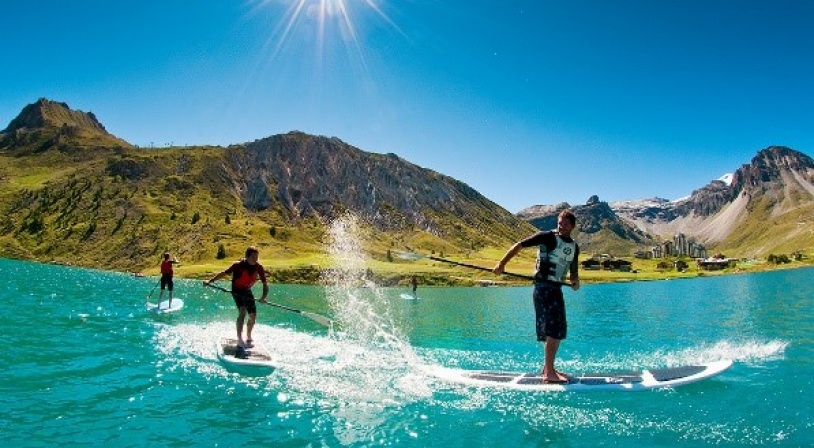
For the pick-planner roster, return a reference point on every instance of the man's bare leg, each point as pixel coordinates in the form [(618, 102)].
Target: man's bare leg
[(549, 372), (240, 318)]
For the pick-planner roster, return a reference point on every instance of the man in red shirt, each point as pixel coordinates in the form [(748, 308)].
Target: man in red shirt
[(166, 276), (245, 273)]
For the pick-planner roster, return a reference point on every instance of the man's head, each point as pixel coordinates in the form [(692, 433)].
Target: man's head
[(566, 222), (252, 254), (166, 255)]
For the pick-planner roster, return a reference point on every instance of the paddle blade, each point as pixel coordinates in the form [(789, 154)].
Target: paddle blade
[(322, 320)]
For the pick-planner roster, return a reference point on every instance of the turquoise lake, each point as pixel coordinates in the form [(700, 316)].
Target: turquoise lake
[(86, 365)]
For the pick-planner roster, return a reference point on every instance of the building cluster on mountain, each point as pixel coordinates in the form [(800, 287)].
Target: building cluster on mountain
[(680, 246)]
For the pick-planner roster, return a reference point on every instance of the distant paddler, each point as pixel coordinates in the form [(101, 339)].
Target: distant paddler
[(245, 273), (166, 276)]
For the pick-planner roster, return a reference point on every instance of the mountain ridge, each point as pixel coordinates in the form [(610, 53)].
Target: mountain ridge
[(117, 205), (69, 187), (728, 212)]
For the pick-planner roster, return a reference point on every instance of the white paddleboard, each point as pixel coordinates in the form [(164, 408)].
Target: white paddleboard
[(627, 381), (254, 356), (406, 296), (164, 307)]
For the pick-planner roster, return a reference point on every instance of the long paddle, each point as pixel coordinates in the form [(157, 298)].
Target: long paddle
[(416, 256), (153, 290), (322, 320)]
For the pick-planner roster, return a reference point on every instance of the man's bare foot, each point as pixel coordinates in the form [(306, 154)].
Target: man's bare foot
[(556, 377)]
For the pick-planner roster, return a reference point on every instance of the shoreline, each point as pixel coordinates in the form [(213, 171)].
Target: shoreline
[(311, 275)]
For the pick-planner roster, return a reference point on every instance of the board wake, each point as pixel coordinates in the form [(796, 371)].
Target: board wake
[(254, 356), (622, 381), (164, 307), (406, 296)]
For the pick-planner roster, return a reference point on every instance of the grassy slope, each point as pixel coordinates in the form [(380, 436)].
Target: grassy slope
[(763, 234), (67, 208)]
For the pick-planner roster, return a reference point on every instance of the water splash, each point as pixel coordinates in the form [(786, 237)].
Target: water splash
[(360, 306)]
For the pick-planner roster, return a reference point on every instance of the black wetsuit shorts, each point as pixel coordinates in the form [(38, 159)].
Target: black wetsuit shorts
[(166, 281), (549, 311), (245, 298)]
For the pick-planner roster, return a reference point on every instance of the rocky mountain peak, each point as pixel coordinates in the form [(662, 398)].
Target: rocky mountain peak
[(593, 200), (322, 177), (51, 114), (47, 124), (769, 165)]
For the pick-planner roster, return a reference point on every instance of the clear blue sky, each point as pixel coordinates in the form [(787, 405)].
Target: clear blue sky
[(529, 102)]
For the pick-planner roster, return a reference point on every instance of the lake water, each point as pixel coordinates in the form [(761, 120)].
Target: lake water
[(85, 364)]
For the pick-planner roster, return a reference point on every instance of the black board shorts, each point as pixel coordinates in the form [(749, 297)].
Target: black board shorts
[(549, 311), (245, 298), (166, 281)]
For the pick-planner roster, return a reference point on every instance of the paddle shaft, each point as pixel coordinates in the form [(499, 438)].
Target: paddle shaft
[(481, 268), (315, 317), (153, 290)]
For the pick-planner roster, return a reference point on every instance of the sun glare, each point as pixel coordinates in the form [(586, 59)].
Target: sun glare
[(330, 21)]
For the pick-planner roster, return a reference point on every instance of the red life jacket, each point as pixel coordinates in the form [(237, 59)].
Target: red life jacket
[(244, 275)]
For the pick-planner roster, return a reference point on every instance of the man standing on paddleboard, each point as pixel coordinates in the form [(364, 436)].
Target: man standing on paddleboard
[(557, 256), (245, 274), (166, 277)]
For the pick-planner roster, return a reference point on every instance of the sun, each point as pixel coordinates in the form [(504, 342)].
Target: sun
[(327, 21)]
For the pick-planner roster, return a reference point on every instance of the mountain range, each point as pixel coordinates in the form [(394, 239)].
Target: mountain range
[(72, 192), (764, 207)]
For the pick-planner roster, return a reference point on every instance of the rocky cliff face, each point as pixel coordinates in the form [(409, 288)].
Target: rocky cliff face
[(324, 177)]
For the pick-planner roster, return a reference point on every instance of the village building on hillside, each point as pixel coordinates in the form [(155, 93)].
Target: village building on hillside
[(607, 263), (715, 263)]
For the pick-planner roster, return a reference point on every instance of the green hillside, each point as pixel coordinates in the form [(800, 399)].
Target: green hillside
[(73, 194)]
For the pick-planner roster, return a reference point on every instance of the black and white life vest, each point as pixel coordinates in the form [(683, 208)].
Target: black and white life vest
[(552, 266)]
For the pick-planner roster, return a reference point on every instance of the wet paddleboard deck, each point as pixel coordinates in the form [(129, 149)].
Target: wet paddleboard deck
[(254, 356), (627, 381), (164, 307)]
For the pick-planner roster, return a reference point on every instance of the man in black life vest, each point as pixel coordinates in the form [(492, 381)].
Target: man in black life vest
[(245, 274), (558, 255)]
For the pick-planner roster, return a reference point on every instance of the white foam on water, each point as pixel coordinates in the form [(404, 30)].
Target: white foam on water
[(365, 376), (748, 351), (365, 387), (363, 373)]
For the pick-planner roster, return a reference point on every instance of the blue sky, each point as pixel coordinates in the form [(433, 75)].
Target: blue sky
[(529, 102)]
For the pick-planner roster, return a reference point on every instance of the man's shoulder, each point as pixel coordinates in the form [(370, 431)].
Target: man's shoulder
[(541, 237)]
